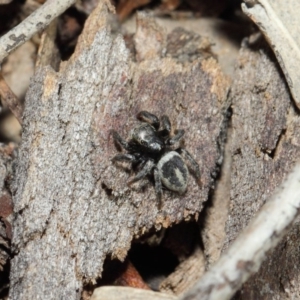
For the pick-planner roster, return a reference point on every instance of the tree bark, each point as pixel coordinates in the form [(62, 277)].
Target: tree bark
[(73, 207), (266, 145)]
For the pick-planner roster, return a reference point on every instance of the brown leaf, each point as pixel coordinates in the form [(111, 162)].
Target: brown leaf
[(131, 277), (126, 7)]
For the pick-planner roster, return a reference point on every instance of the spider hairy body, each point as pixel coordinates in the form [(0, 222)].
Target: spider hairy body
[(152, 150)]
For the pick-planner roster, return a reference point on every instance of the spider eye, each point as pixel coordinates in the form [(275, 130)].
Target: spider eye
[(143, 143)]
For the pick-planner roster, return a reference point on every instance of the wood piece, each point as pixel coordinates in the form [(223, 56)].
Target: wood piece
[(279, 274), (37, 21), (246, 254), (265, 148), (205, 30), (10, 99), (150, 38), (6, 210), (279, 22), (186, 274), (4, 246), (216, 213), (120, 293), (72, 205), (48, 54)]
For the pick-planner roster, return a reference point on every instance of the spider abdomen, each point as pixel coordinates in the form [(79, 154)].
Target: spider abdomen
[(173, 172)]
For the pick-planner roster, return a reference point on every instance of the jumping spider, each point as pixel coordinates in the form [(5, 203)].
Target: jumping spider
[(150, 149)]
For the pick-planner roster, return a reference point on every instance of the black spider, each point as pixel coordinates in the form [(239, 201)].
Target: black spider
[(150, 149)]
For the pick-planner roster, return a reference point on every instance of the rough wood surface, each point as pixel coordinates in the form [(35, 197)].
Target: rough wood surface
[(279, 22), (72, 205), (216, 212), (279, 275), (261, 104), (186, 274), (6, 211), (5, 246), (120, 293), (265, 146), (264, 143), (48, 54), (246, 254)]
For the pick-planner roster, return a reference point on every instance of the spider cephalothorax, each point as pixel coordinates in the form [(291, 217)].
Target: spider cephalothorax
[(150, 149)]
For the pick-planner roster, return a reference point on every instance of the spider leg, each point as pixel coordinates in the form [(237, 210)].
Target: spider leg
[(147, 117), (158, 187), (119, 140), (147, 168), (176, 138), (166, 126), (192, 164), (126, 157)]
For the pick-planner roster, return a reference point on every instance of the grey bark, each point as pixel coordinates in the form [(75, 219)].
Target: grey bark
[(72, 205), (265, 148), (6, 206), (279, 22), (265, 145), (245, 255), (6, 209)]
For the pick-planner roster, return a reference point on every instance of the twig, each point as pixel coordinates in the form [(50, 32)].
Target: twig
[(11, 100), (37, 21), (278, 33), (246, 254)]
